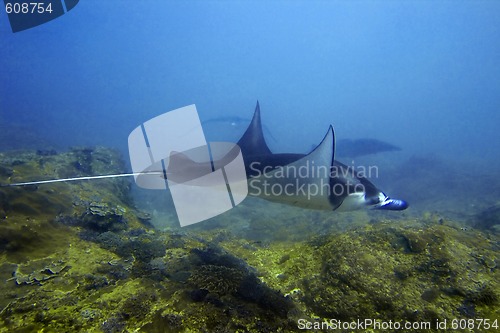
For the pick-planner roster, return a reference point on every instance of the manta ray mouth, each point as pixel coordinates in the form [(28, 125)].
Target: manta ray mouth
[(392, 204)]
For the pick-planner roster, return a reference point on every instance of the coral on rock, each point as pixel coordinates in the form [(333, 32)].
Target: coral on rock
[(79, 257)]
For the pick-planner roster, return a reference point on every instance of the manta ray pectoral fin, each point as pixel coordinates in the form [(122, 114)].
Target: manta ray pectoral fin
[(326, 148), (252, 142), (304, 182)]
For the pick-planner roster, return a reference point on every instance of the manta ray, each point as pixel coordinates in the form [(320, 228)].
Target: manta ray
[(360, 147), (315, 180)]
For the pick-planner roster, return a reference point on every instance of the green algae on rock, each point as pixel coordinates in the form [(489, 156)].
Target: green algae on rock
[(78, 257)]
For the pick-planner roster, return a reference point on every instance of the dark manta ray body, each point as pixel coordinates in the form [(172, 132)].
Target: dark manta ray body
[(314, 181), (361, 147)]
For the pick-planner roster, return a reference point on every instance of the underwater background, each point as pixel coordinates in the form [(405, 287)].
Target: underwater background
[(106, 256)]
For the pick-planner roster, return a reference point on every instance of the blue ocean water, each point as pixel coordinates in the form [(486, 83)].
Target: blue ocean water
[(419, 77), (422, 75)]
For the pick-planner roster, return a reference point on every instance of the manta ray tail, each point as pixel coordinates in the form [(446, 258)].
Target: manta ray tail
[(253, 142)]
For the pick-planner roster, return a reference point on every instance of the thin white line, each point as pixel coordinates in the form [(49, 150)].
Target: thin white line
[(83, 178)]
